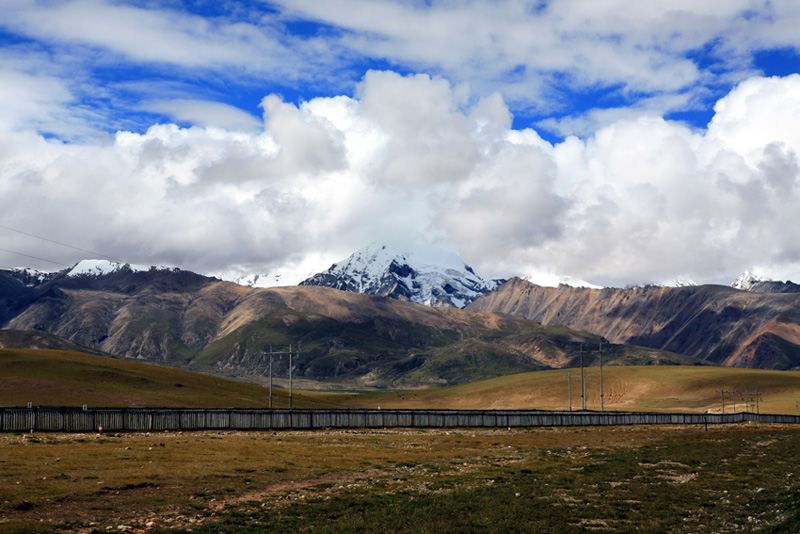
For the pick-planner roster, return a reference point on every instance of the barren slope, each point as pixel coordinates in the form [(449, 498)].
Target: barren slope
[(714, 323), (186, 319)]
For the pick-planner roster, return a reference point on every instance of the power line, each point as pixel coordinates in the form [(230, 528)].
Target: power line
[(34, 257), (57, 243)]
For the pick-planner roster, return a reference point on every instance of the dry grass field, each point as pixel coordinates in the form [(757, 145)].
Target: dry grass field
[(738, 478), (60, 378), (741, 478), (64, 378), (646, 388)]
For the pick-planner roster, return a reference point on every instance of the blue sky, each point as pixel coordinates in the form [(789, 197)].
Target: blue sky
[(111, 79), (498, 129)]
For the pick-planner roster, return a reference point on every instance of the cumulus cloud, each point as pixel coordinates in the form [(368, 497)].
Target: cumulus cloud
[(531, 50), (647, 59), (411, 157), (680, 203)]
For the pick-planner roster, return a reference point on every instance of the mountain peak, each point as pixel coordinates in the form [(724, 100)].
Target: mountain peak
[(756, 283), (104, 267), (417, 273), (748, 279), (543, 279)]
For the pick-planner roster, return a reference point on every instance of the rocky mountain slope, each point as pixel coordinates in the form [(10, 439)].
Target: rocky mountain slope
[(182, 318), (717, 324)]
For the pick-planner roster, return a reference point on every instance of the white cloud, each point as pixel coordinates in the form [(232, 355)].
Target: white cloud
[(654, 199), (205, 113), (641, 200), (143, 34), (530, 52), (587, 122), (537, 55)]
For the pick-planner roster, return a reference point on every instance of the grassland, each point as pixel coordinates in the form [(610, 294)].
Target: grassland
[(741, 478), (645, 388), (59, 378), (64, 378), (622, 479)]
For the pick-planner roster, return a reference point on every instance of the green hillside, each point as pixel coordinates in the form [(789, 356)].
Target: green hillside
[(636, 388), (62, 378), (50, 377)]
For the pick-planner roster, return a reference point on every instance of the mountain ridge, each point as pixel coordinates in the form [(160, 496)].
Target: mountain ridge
[(185, 319), (719, 324)]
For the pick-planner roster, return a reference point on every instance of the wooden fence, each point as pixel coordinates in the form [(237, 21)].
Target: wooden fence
[(68, 419)]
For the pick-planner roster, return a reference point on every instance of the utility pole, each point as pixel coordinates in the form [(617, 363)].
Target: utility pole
[(733, 393), (583, 378), (752, 399), (569, 378), (270, 376), (600, 352), (291, 353), (290, 375)]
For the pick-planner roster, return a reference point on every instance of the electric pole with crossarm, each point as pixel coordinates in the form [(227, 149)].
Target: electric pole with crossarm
[(280, 353), (569, 378), (600, 352)]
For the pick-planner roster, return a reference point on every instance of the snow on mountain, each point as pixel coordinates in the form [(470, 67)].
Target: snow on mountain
[(254, 280), (103, 267), (755, 282), (678, 282), (289, 274), (748, 279), (262, 280), (422, 274), (31, 277), (553, 280)]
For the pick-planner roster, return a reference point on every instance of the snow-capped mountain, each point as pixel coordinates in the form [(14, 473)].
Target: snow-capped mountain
[(678, 282), (104, 267), (253, 280), (554, 280), (31, 277), (83, 269), (258, 280), (421, 274), (755, 283), (748, 279)]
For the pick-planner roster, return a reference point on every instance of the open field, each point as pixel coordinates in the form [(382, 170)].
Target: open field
[(47, 377), (59, 378), (741, 478), (645, 388)]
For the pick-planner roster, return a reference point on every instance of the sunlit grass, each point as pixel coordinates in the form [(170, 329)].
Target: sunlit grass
[(617, 479)]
